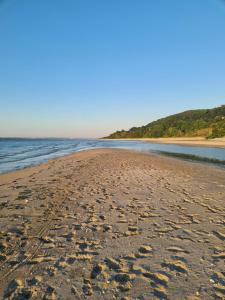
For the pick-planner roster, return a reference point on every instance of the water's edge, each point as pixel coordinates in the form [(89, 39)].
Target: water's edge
[(193, 158), (18, 154)]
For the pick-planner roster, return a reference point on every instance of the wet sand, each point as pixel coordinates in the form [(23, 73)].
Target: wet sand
[(113, 224)]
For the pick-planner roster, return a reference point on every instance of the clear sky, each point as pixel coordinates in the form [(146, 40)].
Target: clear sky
[(85, 68)]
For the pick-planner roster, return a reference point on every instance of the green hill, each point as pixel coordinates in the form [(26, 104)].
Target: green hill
[(209, 123)]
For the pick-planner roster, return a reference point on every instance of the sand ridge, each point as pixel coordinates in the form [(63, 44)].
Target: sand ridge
[(113, 224)]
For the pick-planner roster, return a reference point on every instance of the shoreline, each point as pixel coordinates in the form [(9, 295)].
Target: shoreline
[(198, 141), (167, 155)]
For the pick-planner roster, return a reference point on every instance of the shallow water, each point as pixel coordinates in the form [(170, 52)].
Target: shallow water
[(20, 153)]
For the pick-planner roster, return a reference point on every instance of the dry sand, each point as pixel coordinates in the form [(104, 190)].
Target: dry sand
[(113, 224), (191, 141)]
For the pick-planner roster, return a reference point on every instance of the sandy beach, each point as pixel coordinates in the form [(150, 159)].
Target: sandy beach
[(113, 224), (189, 141)]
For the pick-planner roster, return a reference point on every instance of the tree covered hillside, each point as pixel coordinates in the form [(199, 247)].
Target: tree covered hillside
[(209, 123)]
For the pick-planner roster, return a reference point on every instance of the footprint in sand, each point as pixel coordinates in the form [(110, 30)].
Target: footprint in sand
[(218, 280), (144, 251), (220, 235), (177, 266)]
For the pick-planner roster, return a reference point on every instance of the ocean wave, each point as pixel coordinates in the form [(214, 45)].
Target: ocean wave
[(40, 154)]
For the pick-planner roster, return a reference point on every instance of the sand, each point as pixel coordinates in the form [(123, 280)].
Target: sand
[(191, 141), (113, 224)]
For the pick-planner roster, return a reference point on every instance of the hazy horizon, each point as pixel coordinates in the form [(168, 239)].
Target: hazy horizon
[(87, 69)]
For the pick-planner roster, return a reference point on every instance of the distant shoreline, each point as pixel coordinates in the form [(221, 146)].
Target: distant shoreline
[(186, 141)]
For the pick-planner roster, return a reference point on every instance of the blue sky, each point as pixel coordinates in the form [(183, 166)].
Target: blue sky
[(85, 68)]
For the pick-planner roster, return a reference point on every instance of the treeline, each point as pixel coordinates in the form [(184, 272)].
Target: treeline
[(209, 123)]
